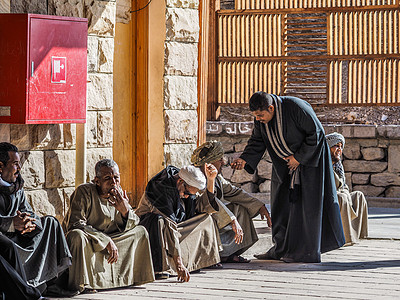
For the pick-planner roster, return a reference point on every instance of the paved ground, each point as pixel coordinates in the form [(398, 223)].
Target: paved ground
[(368, 270)]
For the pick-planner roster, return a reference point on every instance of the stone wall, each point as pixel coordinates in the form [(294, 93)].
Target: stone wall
[(180, 80), (48, 151), (371, 157)]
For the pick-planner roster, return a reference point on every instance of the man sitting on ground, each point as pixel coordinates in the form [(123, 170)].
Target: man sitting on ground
[(182, 233), (38, 244), (108, 247), (353, 206), (237, 207)]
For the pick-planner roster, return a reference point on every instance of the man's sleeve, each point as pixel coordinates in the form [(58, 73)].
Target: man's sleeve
[(23, 207), (310, 150), (5, 223), (255, 149), (224, 216), (80, 202), (126, 224), (238, 196), (206, 202)]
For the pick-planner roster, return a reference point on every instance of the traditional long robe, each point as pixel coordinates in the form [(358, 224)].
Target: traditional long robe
[(235, 203), (305, 220), (178, 227), (354, 212), (43, 252), (13, 283), (92, 222)]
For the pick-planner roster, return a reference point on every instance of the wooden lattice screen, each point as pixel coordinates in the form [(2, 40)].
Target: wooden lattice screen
[(327, 52)]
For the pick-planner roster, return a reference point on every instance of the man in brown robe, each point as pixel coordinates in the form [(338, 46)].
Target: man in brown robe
[(182, 233), (353, 205), (237, 207), (109, 249)]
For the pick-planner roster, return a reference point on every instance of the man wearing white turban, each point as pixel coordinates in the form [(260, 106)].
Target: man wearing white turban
[(353, 206), (183, 236)]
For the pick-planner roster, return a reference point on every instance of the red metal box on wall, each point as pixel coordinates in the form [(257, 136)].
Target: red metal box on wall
[(43, 69)]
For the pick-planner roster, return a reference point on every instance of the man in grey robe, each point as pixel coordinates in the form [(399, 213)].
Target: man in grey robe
[(182, 232), (237, 207), (353, 205), (39, 243), (304, 207), (109, 249)]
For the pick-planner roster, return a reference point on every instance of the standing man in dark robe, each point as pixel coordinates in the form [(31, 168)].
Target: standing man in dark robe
[(304, 207), (39, 242), (182, 233)]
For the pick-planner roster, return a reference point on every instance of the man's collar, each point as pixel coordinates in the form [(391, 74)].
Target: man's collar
[(4, 183)]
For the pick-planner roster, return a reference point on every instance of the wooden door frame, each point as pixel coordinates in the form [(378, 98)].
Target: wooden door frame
[(207, 66), (140, 69)]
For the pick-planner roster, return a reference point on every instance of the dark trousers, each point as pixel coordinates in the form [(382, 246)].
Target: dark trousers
[(13, 284)]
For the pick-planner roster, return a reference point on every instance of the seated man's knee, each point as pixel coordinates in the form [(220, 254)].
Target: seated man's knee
[(76, 238), (7, 246)]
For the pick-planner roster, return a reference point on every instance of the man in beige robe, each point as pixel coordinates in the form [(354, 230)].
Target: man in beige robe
[(109, 249), (353, 205), (182, 233), (237, 207)]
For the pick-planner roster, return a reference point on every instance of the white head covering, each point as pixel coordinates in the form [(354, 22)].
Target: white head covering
[(193, 177), (334, 139)]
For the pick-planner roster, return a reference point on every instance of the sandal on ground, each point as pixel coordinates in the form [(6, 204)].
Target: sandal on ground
[(236, 259), (215, 266)]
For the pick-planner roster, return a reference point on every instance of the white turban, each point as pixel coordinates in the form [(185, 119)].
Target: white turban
[(193, 177), (334, 139)]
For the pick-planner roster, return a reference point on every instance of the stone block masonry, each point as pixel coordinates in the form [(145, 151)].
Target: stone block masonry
[(371, 157), (180, 81), (48, 151)]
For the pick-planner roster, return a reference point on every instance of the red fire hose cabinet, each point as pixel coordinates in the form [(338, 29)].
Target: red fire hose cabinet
[(43, 69)]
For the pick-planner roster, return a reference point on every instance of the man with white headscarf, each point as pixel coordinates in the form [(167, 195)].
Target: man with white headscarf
[(353, 206), (182, 234)]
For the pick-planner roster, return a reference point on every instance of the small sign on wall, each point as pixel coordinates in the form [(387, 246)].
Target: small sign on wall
[(58, 69)]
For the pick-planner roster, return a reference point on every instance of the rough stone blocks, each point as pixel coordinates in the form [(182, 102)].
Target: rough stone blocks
[(180, 126)]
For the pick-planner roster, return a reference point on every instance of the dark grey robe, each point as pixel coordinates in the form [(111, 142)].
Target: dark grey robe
[(305, 220), (43, 252)]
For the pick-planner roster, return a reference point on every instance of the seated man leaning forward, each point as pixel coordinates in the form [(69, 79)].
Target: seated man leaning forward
[(182, 233), (237, 207), (34, 250), (353, 206), (108, 247)]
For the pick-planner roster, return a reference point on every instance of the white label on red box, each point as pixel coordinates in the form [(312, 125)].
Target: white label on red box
[(58, 69)]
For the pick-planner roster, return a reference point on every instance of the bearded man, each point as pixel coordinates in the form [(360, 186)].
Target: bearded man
[(237, 207), (182, 233), (109, 249), (353, 205)]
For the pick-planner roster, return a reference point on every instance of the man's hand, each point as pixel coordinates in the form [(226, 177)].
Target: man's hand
[(237, 229), (183, 273), (292, 163), (120, 201), (264, 213), (113, 251), (238, 164), (211, 173), (23, 222)]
